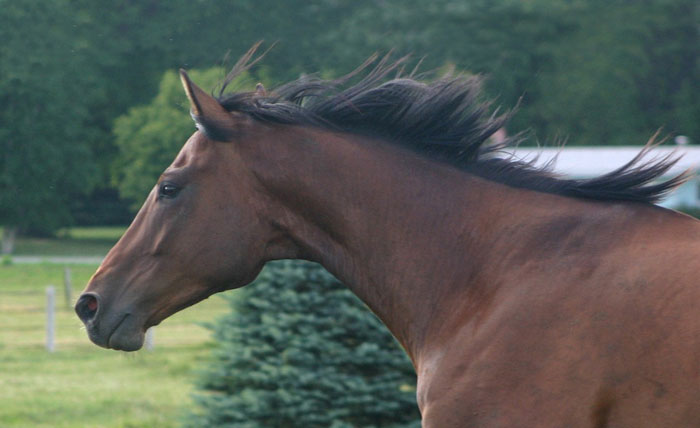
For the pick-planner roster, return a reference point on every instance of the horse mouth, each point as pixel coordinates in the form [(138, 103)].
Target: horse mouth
[(114, 330), (124, 336)]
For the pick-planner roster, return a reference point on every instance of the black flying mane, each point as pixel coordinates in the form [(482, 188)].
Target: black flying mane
[(442, 119)]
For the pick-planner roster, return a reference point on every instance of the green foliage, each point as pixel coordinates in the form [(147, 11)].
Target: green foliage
[(149, 136), (102, 207), (44, 141), (621, 73), (594, 72), (300, 350)]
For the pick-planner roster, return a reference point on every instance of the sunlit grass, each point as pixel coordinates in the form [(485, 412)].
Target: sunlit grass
[(34, 278), (81, 385), (79, 241), (111, 233)]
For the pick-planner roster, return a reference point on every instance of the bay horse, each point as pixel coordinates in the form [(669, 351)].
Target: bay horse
[(523, 299)]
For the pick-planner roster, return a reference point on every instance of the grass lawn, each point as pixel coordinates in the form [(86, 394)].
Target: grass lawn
[(81, 385), (79, 241)]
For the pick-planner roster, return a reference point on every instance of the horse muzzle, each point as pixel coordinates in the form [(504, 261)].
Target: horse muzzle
[(113, 329)]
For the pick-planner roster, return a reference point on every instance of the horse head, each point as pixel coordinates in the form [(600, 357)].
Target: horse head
[(198, 232)]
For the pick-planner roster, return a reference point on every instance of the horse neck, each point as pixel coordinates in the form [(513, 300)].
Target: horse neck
[(394, 227)]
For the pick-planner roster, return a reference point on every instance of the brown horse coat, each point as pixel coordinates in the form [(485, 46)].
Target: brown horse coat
[(522, 301)]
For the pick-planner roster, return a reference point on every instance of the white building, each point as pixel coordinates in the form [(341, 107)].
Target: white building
[(587, 162)]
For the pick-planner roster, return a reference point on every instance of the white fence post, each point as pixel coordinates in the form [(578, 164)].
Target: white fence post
[(150, 341), (50, 318)]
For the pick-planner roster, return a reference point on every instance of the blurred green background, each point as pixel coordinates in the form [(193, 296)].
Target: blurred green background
[(589, 71), (93, 112)]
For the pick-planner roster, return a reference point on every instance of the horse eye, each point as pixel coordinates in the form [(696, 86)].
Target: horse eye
[(168, 190)]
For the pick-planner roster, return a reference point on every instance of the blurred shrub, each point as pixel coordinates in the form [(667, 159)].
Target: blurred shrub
[(300, 350)]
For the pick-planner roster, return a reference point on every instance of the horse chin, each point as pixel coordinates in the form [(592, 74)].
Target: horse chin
[(126, 335), (126, 341)]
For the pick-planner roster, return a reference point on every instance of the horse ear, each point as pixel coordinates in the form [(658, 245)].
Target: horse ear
[(211, 118)]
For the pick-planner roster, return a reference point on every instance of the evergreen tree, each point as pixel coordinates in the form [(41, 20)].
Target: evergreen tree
[(300, 350)]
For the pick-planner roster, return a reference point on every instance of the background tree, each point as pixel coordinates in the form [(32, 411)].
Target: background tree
[(300, 350), (595, 72), (620, 74), (45, 155), (148, 137)]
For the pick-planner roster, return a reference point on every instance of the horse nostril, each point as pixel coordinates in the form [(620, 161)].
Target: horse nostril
[(87, 307)]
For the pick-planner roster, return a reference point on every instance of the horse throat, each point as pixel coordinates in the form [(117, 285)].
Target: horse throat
[(384, 221)]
